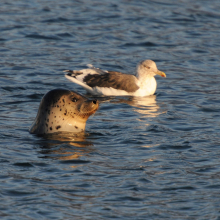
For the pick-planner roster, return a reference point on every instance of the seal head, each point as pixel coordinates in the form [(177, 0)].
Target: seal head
[(63, 110)]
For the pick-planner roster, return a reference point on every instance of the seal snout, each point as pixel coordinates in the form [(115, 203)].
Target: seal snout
[(88, 107)]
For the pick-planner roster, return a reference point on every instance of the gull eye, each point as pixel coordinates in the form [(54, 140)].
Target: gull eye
[(147, 67), (74, 99)]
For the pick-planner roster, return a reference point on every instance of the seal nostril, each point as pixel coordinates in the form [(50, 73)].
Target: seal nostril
[(94, 101)]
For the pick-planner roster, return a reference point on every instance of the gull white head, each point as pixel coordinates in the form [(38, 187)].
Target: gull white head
[(148, 68)]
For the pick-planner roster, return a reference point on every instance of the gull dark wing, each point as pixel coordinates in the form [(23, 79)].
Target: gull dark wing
[(112, 79)]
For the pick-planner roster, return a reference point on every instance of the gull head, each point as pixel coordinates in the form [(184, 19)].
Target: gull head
[(148, 68)]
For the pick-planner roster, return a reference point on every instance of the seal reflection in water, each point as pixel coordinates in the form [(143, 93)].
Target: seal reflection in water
[(63, 110)]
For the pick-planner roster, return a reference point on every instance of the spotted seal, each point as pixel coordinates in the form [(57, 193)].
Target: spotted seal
[(63, 110)]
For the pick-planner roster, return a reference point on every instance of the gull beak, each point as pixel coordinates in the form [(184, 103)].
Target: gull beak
[(161, 73)]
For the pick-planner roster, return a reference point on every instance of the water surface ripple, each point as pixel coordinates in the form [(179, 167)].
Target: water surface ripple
[(154, 157)]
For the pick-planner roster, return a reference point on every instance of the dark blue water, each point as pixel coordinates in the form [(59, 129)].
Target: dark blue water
[(155, 157)]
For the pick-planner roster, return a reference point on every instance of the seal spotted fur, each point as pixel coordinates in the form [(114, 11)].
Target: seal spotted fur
[(63, 110)]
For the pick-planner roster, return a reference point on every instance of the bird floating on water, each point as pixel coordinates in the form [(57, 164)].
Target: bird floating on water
[(112, 83)]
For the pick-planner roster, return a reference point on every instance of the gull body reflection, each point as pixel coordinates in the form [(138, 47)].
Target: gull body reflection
[(146, 106)]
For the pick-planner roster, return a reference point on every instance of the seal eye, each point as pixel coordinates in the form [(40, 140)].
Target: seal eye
[(74, 99)]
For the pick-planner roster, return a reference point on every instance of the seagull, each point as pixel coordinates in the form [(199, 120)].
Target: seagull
[(112, 83)]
